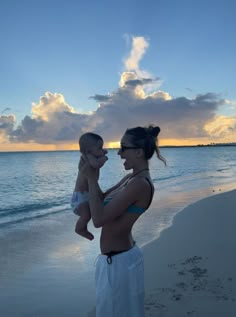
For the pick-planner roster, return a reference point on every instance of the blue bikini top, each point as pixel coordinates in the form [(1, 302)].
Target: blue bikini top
[(133, 208)]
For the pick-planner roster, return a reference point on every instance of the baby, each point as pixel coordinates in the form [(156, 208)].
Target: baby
[(91, 145)]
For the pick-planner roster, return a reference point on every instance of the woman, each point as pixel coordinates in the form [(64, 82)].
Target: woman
[(119, 269)]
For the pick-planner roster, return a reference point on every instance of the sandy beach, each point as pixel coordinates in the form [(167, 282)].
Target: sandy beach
[(191, 269)]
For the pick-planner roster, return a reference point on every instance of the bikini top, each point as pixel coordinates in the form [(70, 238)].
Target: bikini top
[(133, 208)]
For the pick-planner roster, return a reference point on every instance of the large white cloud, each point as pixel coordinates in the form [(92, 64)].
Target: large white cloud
[(49, 105), (52, 121), (178, 117), (137, 101)]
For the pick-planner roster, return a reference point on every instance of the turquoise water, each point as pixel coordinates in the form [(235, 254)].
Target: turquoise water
[(48, 270), (36, 184)]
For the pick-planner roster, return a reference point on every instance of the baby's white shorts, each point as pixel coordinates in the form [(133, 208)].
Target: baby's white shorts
[(77, 199)]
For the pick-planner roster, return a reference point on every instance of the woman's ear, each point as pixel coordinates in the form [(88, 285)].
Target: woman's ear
[(140, 153)]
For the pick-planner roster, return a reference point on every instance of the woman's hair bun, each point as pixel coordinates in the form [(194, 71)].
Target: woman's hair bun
[(153, 131)]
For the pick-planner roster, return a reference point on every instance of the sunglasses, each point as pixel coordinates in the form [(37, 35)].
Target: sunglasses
[(123, 147)]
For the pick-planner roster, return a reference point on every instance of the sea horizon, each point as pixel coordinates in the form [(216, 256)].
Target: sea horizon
[(29, 179), (117, 148)]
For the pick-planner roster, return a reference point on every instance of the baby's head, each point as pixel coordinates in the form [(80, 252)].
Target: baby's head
[(91, 143)]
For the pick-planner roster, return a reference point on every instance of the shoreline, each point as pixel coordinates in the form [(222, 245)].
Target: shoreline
[(190, 270), (48, 254)]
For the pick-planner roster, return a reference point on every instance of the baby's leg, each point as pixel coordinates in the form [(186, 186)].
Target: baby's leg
[(81, 225)]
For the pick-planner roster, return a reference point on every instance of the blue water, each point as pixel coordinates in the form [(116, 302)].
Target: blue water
[(43, 262), (36, 184)]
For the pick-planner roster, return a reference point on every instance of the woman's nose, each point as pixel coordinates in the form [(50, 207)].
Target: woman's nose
[(119, 151), (104, 151)]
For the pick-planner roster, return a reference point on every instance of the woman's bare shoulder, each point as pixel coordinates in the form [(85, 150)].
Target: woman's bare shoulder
[(141, 182)]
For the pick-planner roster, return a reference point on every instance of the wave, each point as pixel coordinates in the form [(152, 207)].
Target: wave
[(30, 212), (15, 221), (28, 208), (164, 178), (223, 169)]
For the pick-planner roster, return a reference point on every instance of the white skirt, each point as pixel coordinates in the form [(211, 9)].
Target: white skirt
[(120, 285)]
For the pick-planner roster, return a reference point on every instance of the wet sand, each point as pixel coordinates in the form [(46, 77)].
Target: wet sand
[(190, 270)]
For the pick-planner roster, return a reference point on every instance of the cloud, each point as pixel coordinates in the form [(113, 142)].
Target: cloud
[(141, 86), (139, 46), (6, 127), (137, 101), (6, 110), (140, 82), (178, 118), (131, 64), (231, 104), (221, 127), (7, 122), (189, 89), (101, 98), (52, 121), (49, 105)]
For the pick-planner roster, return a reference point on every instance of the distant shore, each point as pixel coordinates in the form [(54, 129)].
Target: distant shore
[(116, 148), (200, 145)]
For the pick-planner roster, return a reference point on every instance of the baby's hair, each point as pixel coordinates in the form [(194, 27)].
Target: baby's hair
[(146, 138), (88, 139)]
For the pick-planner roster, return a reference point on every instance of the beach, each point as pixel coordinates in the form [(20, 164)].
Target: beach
[(48, 270), (189, 269)]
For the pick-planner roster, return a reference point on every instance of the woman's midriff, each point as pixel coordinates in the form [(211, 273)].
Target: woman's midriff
[(109, 243), (116, 236)]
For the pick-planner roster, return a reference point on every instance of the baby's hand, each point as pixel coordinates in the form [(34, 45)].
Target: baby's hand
[(86, 168), (101, 161), (97, 162)]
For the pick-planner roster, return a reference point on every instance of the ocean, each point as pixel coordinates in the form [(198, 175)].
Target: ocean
[(37, 184), (38, 245)]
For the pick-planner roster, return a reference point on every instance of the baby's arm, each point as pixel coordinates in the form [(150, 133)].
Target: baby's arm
[(96, 162)]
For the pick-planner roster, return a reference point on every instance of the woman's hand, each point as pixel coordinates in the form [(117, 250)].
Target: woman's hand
[(86, 169)]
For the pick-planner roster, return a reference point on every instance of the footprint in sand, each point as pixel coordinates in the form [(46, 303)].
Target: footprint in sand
[(197, 279)]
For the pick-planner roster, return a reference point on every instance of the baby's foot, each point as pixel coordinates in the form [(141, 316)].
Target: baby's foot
[(83, 231), (86, 234)]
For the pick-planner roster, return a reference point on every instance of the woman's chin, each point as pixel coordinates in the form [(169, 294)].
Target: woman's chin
[(126, 166)]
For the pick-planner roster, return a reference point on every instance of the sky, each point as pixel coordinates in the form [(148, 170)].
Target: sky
[(72, 66)]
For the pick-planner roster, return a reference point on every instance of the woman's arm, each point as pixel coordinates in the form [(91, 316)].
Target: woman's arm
[(82, 179), (118, 205), (79, 183), (95, 202), (101, 214)]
